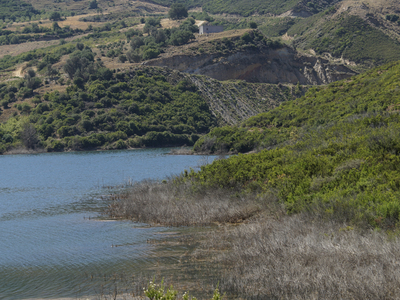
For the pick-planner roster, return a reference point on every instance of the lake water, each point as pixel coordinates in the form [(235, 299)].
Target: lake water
[(49, 248)]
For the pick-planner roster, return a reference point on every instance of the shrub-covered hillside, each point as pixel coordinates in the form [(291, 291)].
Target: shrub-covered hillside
[(363, 34), (346, 36), (13, 9), (335, 150), (110, 111), (374, 92)]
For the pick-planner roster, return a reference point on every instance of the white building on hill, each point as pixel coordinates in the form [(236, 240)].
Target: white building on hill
[(205, 29)]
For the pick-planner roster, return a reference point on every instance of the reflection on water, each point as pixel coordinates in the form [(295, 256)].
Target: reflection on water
[(49, 246)]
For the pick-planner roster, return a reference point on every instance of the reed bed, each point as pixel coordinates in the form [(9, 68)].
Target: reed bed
[(183, 204), (296, 257), (272, 255)]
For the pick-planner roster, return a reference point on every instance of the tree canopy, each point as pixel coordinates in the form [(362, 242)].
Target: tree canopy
[(177, 11)]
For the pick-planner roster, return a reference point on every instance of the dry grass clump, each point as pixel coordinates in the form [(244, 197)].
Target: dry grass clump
[(294, 258), (272, 255), (182, 204)]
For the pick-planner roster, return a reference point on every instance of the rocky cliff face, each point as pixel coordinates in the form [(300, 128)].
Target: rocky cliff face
[(265, 65), (233, 101)]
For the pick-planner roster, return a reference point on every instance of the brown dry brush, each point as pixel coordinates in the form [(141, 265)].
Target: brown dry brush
[(273, 255), (182, 204), (300, 258)]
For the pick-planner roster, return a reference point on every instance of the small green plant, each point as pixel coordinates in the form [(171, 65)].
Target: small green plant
[(156, 292), (187, 297), (217, 295)]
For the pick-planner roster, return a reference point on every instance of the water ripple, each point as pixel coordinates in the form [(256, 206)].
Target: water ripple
[(48, 248)]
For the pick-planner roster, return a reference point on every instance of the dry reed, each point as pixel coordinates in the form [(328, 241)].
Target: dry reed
[(182, 204), (272, 255), (294, 258)]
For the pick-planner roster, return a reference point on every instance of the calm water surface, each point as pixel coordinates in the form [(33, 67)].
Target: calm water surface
[(49, 247)]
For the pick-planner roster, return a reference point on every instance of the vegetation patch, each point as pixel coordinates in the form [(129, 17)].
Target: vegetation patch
[(345, 36), (275, 27), (105, 110), (345, 160), (12, 9)]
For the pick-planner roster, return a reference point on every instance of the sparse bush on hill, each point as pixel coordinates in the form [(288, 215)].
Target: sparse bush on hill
[(144, 48), (345, 36), (55, 16), (93, 4), (392, 18)]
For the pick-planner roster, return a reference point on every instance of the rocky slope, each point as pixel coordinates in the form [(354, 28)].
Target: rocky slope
[(284, 65), (235, 101)]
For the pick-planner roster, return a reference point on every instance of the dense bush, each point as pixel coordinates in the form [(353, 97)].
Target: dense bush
[(133, 109), (177, 11)]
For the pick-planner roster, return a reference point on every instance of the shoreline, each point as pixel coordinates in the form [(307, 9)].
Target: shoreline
[(174, 151), (268, 252)]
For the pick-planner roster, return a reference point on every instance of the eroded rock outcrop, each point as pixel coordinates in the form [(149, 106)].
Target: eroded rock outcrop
[(284, 65)]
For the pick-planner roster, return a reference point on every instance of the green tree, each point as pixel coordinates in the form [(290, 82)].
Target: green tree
[(177, 11), (29, 136), (93, 4), (56, 27), (253, 25), (55, 16)]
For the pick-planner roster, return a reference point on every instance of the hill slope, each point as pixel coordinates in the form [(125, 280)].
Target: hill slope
[(248, 55), (247, 8), (359, 33), (142, 107), (335, 150), (373, 92)]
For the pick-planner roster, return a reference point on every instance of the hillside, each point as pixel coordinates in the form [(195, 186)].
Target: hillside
[(247, 8), (142, 107), (372, 93), (248, 55), (361, 34), (81, 59), (336, 148)]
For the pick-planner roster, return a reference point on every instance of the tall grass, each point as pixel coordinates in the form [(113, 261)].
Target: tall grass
[(296, 257), (183, 204), (272, 255)]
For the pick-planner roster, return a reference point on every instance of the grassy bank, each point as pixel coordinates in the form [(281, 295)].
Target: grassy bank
[(271, 254)]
